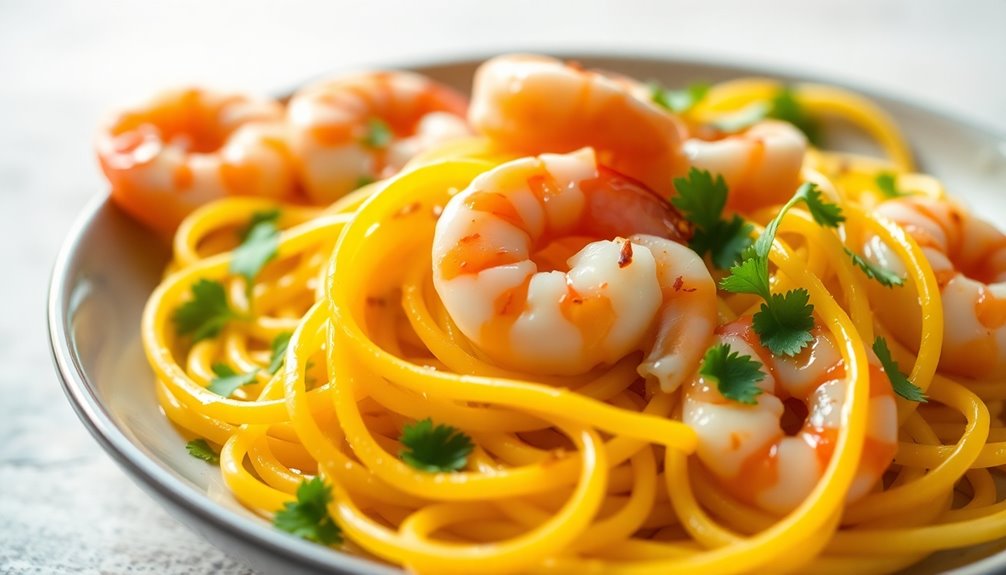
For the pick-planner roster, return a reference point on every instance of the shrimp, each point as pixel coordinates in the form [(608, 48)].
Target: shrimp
[(968, 256), (188, 147), (772, 454), (760, 165), (536, 104), (634, 288), (355, 129)]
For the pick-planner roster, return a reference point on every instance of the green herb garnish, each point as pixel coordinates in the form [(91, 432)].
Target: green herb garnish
[(435, 448), (308, 517), (736, 376)]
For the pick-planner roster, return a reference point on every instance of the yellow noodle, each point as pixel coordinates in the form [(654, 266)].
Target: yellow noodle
[(592, 473)]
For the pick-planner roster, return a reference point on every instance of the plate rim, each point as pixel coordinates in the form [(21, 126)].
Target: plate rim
[(149, 472), (155, 476)]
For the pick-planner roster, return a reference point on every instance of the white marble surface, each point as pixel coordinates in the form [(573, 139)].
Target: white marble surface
[(64, 506)]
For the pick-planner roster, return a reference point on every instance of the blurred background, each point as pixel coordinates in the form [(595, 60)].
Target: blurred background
[(64, 506)]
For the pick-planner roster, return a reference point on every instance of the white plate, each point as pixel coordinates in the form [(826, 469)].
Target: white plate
[(109, 265)]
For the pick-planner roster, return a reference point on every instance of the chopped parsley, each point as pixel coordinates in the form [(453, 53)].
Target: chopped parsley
[(701, 199), (227, 380), (279, 345), (259, 245), (200, 449), (206, 313), (784, 321), (883, 276), (736, 376), (435, 448), (308, 517), (902, 386), (378, 135), (678, 101)]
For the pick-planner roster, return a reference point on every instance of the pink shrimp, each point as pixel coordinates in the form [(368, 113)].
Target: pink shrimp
[(968, 256), (355, 129), (536, 104), (761, 165), (634, 289), (772, 454), (188, 147)]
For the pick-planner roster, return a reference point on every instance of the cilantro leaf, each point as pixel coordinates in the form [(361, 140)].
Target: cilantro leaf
[(784, 106), (435, 448), (678, 101), (200, 449), (364, 180), (884, 276), (701, 199), (784, 322), (807, 193), (308, 517), (279, 345), (902, 386), (725, 243), (228, 380), (749, 276), (887, 183), (256, 219), (206, 313), (824, 212), (259, 246), (736, 375), (378, 134)]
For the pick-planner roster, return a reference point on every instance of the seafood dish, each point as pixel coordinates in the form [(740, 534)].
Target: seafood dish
[(576, 322)]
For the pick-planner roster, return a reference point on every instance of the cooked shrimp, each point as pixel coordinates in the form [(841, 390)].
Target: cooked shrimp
[(536, 104), (188, 147), (761, 165), (772, 454), (637, 288), (355, 129), (968, 256)]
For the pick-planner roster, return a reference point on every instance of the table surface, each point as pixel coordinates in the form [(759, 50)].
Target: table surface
[(64, 505)]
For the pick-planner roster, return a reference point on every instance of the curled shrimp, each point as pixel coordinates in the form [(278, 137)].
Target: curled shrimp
[(968, 257), (634, 288), (187, 147), (351, 130), (772, 454), (761, 165), (536, 104)]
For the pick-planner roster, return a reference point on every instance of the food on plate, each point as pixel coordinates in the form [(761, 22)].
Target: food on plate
[(615, 292), (190, 146), (581, 324), (968, 257), (360, 128)]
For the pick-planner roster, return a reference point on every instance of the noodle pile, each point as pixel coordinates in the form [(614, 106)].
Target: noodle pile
[(591, 473)]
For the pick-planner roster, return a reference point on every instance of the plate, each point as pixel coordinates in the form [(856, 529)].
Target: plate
[(109, 265)]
